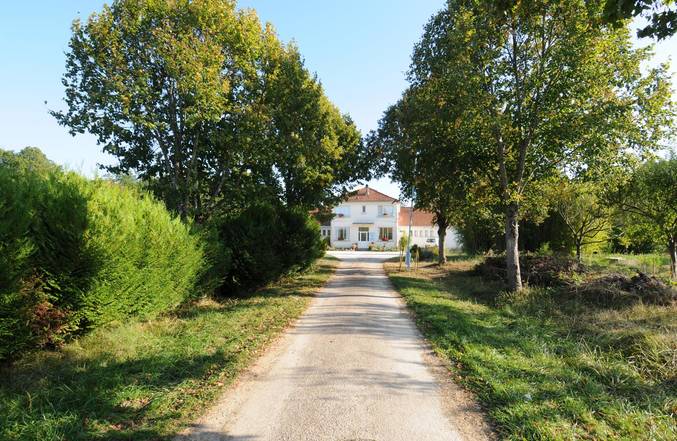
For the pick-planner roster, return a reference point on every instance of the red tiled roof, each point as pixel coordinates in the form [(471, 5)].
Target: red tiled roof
[(366, 194), (419, 219)]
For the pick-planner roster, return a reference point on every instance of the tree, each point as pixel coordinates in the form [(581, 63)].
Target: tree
[(148, 77), (316, 154), (207, 107), (545, 89), (584, 213), (29, 159), (651, 195), (660, 14), (419, 147)]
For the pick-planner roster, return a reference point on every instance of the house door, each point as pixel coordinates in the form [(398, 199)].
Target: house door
[(363, 237)]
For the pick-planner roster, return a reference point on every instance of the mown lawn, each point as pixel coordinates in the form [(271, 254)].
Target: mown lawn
[(145, 380), (549, 367)]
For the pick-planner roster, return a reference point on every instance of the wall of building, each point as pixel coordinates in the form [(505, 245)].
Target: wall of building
[(427, 236), (351, 216)]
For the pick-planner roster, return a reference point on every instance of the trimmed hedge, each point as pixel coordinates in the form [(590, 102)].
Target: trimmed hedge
[(75, 254)]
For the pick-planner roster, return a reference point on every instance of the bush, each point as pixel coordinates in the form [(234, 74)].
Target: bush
[(267, 242), (75, 254), (535, 269), (425, 254)]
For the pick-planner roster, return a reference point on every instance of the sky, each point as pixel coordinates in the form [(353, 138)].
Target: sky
[(359, 49)]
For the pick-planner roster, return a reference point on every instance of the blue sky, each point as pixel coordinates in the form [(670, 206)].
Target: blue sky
[(359, 49)]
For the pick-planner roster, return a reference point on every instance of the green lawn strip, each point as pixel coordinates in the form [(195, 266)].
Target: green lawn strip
[(146, 380), (539, 374)]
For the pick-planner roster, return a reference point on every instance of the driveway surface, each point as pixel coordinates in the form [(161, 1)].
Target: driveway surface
[(352, 368)]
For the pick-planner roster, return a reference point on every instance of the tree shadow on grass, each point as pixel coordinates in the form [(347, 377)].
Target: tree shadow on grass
[(96, 393), (526, 368)]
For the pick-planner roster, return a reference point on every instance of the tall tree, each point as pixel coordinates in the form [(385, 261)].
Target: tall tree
[(147, 76), (546, 89), (206, 106), (316, 153), (421, 150)]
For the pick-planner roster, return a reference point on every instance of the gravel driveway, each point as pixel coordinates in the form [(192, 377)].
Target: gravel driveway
[(353, 367)]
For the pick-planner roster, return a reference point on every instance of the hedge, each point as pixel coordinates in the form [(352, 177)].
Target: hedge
[(76, 254), (266, 242)]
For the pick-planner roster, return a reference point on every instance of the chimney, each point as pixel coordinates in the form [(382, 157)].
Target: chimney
[(367, 190)]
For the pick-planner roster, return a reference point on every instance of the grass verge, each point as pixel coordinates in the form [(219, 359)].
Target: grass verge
[(546, 367), (146, 380)]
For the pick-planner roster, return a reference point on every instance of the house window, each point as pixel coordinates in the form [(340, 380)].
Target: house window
[(342, 211), (325, 232), (363, 234), (364, 209), (386, 210), (426, 233), (342, 233), (385, 233)]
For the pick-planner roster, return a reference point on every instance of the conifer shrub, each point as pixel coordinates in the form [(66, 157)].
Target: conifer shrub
[(266, 242), (76, 254)]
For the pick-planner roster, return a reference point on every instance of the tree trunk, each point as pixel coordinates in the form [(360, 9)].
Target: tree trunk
[(578, 252), (672, 247), (512, 261), (441, 233)]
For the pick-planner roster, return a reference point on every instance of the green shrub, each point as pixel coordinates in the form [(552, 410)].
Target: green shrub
[(147, 261), (267, 242), (75, 254)]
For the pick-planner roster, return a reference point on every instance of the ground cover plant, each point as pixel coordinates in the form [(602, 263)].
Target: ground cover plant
[(146, 379), (547, 365)]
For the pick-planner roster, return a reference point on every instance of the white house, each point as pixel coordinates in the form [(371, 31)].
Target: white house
[(370, 218)]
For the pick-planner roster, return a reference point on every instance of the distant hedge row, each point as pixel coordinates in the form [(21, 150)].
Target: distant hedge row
[(77, 253)]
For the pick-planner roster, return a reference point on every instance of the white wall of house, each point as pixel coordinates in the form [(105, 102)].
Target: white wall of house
[(427, 236), (365, 223)]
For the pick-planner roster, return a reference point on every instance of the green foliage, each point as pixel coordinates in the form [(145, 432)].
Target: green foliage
[(583, 212), (660, 14), (650, 197), (628, 236), (207, 107), (315, 151), (421, 149), (146, 380), (536, 89), (267, 242), (147, 260), (76, 254)]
